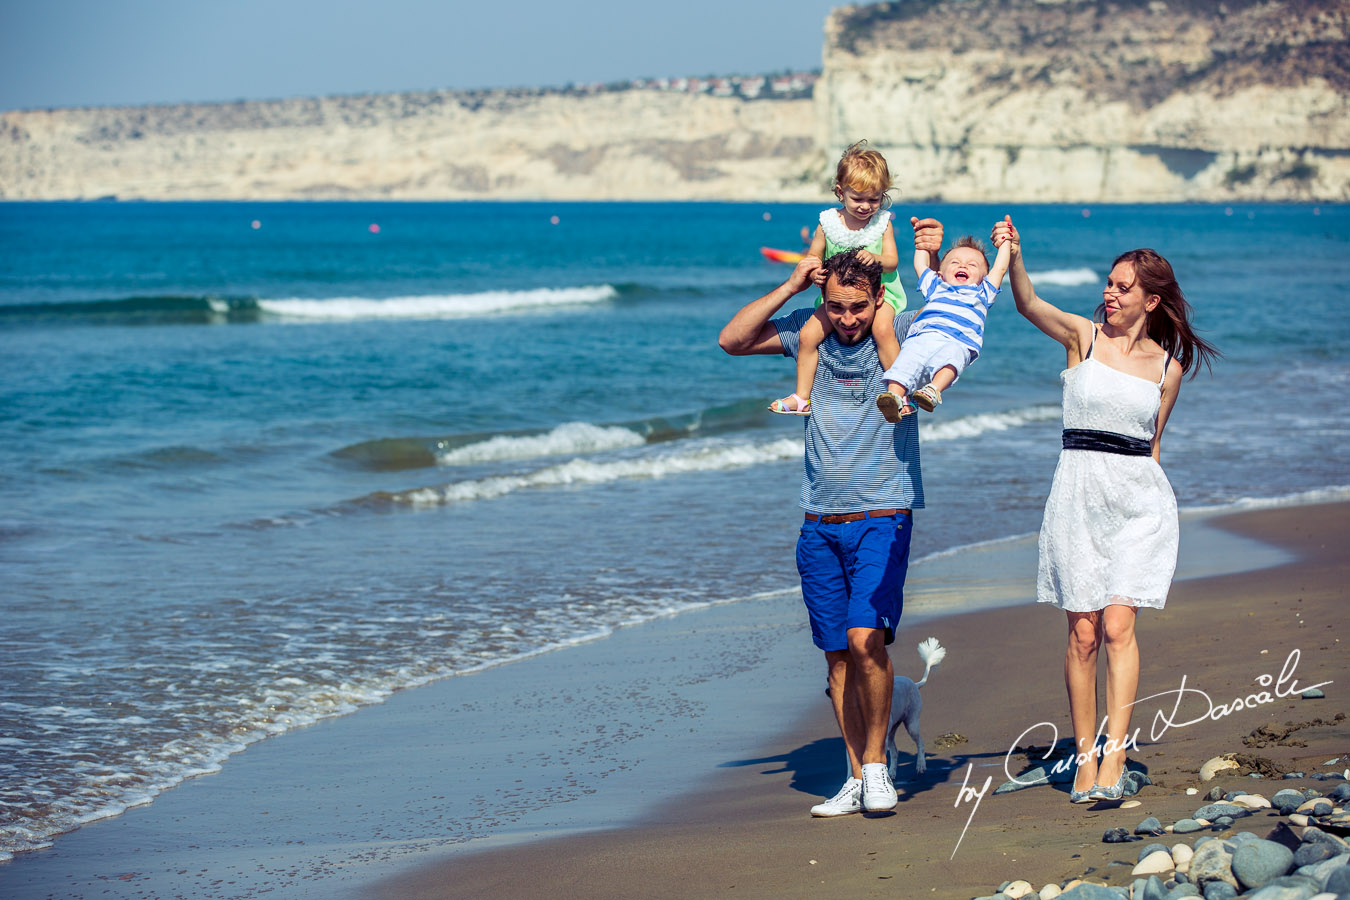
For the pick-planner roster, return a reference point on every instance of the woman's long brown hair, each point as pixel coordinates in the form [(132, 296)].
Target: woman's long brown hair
[(1169, 324)]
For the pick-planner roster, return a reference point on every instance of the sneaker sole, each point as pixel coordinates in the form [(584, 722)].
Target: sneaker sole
[(923, 403), (834, 815), (894, 804), (890, 407)]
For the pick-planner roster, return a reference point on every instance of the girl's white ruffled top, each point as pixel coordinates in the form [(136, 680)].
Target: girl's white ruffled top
[(841, 236)]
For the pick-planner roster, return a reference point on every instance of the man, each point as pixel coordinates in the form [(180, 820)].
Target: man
[(860, 483)]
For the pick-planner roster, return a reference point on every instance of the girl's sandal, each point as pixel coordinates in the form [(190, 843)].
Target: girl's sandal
[(892, 410), (791, 405)]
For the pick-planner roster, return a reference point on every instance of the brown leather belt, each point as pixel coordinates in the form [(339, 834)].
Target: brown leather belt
[(840, 518)]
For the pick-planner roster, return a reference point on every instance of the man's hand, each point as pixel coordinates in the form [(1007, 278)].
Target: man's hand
[(806, 272), (927, 234)]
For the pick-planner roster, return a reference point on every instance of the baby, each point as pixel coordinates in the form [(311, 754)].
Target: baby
[(948, 332)]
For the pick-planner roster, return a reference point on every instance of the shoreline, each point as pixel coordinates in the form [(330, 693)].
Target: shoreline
[(750, 833), (358, 805)]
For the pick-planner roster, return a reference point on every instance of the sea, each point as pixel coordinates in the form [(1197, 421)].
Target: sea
[(266, 463)]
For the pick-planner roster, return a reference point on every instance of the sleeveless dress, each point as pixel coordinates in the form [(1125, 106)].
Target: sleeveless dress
[(1110, 529), (839, 239)]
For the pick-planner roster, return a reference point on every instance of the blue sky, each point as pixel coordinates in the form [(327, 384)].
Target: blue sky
[(123, 52)]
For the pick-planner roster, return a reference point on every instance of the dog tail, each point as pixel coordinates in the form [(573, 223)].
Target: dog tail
[(932, 653)]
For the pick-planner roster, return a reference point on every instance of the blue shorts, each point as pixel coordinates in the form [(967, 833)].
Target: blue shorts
[(853, 576)]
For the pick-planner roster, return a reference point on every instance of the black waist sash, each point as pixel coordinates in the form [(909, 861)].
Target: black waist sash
[(1105, 442)]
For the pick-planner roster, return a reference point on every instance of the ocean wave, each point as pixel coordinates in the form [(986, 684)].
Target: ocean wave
[(704, 458), (1065, 277), (1337, 493), (972, 426), (434, 306), (573, 437)]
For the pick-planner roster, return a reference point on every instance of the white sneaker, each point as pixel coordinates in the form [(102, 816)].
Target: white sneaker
[(877, 791), (848, 800)]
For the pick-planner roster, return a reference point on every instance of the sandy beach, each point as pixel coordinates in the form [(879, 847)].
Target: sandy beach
[(679, 758)]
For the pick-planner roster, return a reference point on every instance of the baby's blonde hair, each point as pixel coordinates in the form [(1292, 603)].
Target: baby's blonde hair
[(865, 171)]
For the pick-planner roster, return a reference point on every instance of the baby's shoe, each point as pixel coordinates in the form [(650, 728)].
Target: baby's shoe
[(893, 407), (928, 397)]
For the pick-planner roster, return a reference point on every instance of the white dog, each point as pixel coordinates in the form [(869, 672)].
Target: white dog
[(906, 704)]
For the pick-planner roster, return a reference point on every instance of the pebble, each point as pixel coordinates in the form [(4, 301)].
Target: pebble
[(1298, 819), (1287, 800), (1312, 852), (1258, 862), (1191, 792), (1151, 825), (1018, 889), (1148, 849), (1319, 807), (1086, 890), (1223, 821), (1182, 853), (1131, 804), (1212, 863), (1338, 882), (1320, 872), (1219, 890), (1316, 834), (1023, 781), (1293, 775), (1155, 863), (1152, 889), (1215, 766), (1117, 836), (1186, 826), (1251, 801), (1341, 793), (1288, 887), (1050, 892), (1313, 694)]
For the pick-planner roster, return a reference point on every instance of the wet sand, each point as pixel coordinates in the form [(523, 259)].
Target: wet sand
[(680, 757)]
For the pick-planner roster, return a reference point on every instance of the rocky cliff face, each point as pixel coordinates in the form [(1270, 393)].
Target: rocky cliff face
[(497, 145), (1077, 100), (970, 100)]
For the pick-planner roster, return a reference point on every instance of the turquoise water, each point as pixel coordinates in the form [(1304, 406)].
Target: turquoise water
[(255, 476)]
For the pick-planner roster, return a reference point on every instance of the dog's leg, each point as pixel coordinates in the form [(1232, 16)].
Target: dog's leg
[(912, 726)]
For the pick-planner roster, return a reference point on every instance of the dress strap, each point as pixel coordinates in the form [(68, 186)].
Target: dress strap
[(1167, 361), (1093, 343)]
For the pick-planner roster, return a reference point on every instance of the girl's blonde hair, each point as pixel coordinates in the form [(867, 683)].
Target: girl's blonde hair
[(865, 171)]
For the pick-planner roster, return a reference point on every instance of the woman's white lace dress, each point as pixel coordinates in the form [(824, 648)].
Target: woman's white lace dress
[(1110, 529)]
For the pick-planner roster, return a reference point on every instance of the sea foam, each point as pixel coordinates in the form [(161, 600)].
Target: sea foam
[(573, 437), (435, 306)]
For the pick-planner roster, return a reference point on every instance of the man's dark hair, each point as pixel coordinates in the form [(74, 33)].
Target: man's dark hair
[(850, 271)]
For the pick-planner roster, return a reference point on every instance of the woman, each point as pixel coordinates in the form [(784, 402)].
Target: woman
[(1108, 544)]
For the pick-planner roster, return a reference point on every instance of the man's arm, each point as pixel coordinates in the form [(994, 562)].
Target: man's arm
[(749, 332)]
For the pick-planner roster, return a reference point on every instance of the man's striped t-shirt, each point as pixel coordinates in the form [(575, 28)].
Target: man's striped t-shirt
[(855, 459)]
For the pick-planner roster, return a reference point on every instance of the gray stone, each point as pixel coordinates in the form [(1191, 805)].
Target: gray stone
[(1338, 882), (1257, 863), (1212, 862), (1029, 778), (1255, 775), (1320, 808), (1313, 694), (1311, 794), (1216, 793), (1312, 852), (1240, 838), (1151, 825), (1183, 890), (1117, 836), (1321, 871), (1186, 826), (1341, 793), (1223, 821), (1291, 776), (1287, 800), (1153, 889), (1314, 834), (1288, 887), (1089, 891), (1219, 890), (1213, 810)]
